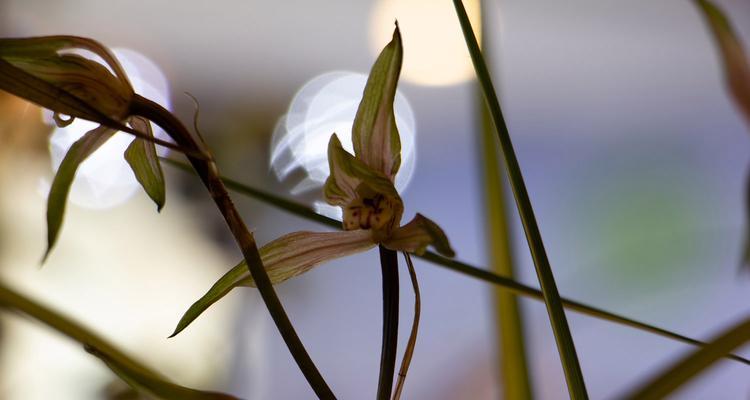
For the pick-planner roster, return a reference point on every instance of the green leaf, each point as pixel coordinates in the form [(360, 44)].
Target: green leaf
[(284, 258), (143, 160), (690, 365), (131, 368), (152, 385), (374, 133), (415, 236), (58, 194), (558, 320)]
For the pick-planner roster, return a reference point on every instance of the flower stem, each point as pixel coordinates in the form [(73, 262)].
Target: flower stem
[(209, 175), (389, 268)]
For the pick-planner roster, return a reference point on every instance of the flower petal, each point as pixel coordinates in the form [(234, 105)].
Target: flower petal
[(351, 182), (283, 258), (60, 73), (374, 134), (415, 236)]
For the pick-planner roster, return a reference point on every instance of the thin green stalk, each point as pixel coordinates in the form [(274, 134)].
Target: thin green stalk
[(457, 266), (209, 174), (565, 345), (516, 383), (389, 268), (412, 342), (685, 368)]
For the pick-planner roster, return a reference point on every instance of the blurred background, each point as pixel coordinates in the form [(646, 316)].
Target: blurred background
[(634, 156)]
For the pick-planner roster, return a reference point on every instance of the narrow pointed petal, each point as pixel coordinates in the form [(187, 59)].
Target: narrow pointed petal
[(736, 67), (374, 134), (283, 258), (415, 236), (153, 385), (143, 160), (58, 194)]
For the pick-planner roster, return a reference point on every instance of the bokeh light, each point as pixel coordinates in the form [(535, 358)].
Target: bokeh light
[(434, 50)]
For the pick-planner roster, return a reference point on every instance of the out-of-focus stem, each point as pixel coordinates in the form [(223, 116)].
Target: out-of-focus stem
[(516, 383)]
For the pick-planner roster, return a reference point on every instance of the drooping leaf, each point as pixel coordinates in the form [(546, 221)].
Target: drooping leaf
[(419, 233), (736, 67), (374, 133), (143, 160), (58, 194), (283, 258), (153, 385)]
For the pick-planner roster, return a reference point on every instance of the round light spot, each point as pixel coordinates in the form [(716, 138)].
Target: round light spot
[(434, 49)]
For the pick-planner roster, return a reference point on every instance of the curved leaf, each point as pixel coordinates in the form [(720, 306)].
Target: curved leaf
[(143, 160), (58, 194)]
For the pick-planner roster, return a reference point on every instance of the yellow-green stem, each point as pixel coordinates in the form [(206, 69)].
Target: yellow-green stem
[(516, 383)]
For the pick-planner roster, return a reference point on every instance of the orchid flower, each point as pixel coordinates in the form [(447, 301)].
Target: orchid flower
[(49, 71), (361, 184)]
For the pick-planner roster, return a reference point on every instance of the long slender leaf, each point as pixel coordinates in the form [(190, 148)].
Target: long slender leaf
[(152, 385), (565, 344), (121, 363), (389, 268), (458, 266), (58, 193), (516, 382), (682, 370)]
